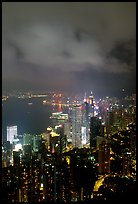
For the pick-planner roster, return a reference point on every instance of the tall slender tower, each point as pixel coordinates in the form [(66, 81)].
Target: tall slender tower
[(91, 98), (85, 123), (91, 104), (76, 126), (85, 98)]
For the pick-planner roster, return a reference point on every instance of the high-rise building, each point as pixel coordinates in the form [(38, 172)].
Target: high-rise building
[(104, 157), (67, 132), (55, 143), (27, 139), (11, 133), (62, 136), (36, 142), (111, 120), (95, 130), (126, 162), (133, 145), (91, 104), (91, 98), (77, 126), (85, 123)]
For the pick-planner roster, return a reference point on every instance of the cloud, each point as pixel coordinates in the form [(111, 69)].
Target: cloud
[(67, 37), (48, 46)]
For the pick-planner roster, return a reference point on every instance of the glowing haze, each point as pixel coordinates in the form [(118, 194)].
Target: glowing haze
[(69, 46)]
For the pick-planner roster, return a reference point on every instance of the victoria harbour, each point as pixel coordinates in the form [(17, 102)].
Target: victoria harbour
[(31, 116)]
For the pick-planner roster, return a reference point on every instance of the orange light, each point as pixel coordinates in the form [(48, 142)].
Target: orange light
[(80, 107)]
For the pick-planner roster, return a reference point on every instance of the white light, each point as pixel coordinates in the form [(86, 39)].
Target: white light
[(18, 147), (83, 132), (41, 185), (46, 164), (16, 140)]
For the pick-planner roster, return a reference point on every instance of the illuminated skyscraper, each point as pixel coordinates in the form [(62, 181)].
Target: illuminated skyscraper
[(27, 139), (85, 123), (77, 126), (91, 98), (11, 133), (67, 132), (91, 104), (85, 98), (62, 137)]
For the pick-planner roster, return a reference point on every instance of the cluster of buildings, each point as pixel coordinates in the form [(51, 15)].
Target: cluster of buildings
[(44, 166)]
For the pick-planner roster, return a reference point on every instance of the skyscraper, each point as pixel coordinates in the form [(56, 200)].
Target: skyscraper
[(62, 138), (76, 126), (91, 98), (11, 133), (91, 104), (67, 132), (104, 157), (126, 162), (95, 130), (85, 123)]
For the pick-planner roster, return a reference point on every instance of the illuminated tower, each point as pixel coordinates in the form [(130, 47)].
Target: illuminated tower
[(85, 98), (76, 126), (91, 104), (62, 137), (91, 98), (85, 123), (11, 133)]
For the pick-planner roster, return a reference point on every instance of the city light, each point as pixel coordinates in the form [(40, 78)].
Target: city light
[(18, 147)]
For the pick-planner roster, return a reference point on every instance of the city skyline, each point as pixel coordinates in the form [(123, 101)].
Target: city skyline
[(69, 47), (85, 153)]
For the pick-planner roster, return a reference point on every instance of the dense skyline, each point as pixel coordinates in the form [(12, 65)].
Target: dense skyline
[(69, 46)]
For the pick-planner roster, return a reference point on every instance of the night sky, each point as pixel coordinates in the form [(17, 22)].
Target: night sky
[(71, 47)]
